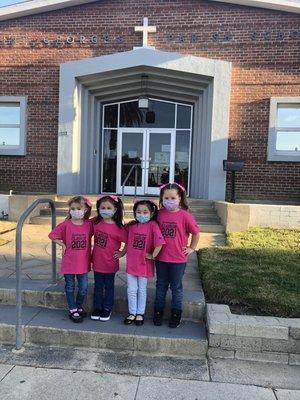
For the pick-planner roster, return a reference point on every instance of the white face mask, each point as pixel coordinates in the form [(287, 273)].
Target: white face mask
[(77, 214)]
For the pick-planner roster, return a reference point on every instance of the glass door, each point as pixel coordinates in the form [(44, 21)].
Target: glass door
[(131, 149), (159, 159), (147, 157)]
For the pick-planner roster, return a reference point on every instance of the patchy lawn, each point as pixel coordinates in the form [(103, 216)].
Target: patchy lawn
[(6, 226), (3, 241), (257, 270)]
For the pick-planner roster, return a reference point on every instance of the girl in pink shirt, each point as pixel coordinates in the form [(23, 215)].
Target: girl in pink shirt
[(176, 224), (74, 237), (144, 242), (109, 234)]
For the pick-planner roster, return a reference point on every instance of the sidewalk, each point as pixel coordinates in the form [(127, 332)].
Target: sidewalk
[(28, 383), (49, 372)]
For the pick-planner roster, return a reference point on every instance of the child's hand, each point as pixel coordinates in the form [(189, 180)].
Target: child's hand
[(118, 254), (149, 256), (188, 250), (63, 249)]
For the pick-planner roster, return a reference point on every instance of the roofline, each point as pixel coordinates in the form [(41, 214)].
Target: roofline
[(280, 5), (31, 7)]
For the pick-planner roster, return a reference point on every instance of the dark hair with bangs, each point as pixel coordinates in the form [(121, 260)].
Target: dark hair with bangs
[(152, 207), (182, 194), (117, 203)]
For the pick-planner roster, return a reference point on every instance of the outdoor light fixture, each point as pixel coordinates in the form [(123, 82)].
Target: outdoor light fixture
[(144, 99)]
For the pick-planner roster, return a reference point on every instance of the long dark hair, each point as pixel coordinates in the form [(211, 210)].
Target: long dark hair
[(181, 193), (117, 203), (152, 207), (79, 200)]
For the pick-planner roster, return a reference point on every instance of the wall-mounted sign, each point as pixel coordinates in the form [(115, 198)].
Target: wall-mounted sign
[(106, 39)]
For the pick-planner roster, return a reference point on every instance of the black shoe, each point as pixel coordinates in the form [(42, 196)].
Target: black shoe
[(157, 317), (175, 319), (105, 315), (129, 320), (75, 316), (139, 322), (96, 314), (82, 312)]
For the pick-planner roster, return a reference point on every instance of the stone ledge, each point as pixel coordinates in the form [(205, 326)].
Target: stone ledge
[(269, 339)]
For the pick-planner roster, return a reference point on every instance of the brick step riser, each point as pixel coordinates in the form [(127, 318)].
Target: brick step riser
[(57, 300), (48, 336), (192, 208), (209, 228), (210, 217), (127, 202)]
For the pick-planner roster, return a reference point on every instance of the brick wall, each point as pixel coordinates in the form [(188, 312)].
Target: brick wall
[(265, 64)]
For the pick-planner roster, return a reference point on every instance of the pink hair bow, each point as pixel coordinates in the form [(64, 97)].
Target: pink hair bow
[(174, 183), (87, 201), (112, 196)]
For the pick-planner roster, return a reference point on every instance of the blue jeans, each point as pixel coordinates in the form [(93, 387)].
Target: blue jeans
[(137, 294), (82, 280), (169, 274), (104, 290)]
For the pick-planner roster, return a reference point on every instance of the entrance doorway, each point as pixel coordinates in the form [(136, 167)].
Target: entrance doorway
[(145, 148), (150, 154)]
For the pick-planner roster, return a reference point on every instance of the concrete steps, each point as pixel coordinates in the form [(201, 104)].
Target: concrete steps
[(53, 327), (39, 293), (203, 211)]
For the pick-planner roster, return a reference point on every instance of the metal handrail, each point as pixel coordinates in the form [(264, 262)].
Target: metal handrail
[(133, 166), (19, 228)]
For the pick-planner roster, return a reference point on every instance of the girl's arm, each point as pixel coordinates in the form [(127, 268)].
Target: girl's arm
[(121, 253), (60, 243), (193, 245), (154, 254)]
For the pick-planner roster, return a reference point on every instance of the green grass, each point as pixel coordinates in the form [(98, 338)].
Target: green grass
[(257, 270)]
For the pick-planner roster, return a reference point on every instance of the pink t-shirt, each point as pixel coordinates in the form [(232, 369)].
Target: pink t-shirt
[(175, 227), (107, 240), (142, 239), (77, 238)]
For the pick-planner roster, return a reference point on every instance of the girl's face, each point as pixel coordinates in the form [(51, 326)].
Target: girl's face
[(171, 194), (143, 210), (77, 210), (171, 200), (107, 210), (106, 205)]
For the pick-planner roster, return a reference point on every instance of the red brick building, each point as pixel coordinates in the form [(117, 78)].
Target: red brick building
[(81, 108)]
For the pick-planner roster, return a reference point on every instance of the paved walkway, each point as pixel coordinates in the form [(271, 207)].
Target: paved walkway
[(85, 373), (36, 250), (85, 381)]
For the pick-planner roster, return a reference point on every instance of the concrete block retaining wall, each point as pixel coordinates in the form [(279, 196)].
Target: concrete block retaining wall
[(240, 217), (255, 338)]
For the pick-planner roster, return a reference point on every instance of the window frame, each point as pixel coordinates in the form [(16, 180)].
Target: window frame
[(272, 153), (16, 150)]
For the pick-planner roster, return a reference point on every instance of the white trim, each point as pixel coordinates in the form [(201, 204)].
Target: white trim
[(272, 153), (18, 150), (212, 122), (32, 7), (292, 6), (147, 190)]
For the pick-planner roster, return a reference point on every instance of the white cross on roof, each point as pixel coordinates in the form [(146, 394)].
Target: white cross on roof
[(146, 29)]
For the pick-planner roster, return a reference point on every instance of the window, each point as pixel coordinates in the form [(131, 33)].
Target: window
[(284, 129), (12, 125)]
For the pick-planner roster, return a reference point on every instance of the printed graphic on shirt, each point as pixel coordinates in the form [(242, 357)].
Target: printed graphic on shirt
[(101, 239), (169, 229), (139, 241), (79, 241)]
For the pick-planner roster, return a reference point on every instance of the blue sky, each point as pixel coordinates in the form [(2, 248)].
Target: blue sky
[(7, 2)]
